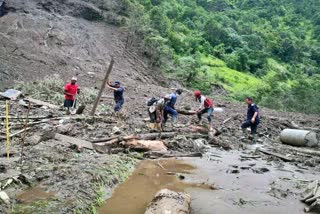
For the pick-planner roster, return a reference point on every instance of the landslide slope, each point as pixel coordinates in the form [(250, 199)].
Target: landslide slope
[(40, 38)]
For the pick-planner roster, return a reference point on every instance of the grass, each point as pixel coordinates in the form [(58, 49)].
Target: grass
[(50, 89), (238, 84), (118, 169)]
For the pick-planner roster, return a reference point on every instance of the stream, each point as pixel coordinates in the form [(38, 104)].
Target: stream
[(220, 182)]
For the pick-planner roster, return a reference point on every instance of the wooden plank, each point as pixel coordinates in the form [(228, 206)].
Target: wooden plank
[(41, 103), (74, 141), (282, 157)]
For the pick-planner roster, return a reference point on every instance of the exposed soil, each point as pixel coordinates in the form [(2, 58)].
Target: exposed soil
[(57, 38)]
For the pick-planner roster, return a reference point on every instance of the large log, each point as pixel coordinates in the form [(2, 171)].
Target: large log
[(149, 136), (41, 103), (282, 157), (297, 137), (71, 140), (156, 154), (167, 201)]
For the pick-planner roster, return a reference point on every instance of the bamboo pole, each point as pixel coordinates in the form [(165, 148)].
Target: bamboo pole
[(93, 111), (7, 131), (25, 133)]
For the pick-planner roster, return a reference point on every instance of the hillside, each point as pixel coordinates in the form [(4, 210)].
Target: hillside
[(274, 41), (73, 163)]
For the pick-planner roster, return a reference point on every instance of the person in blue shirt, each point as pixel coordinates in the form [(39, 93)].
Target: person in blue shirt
[(169, 108), (252, 120), (118, 94)]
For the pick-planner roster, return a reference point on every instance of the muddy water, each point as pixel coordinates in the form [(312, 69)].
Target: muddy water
[(243, 185), (135, 194), (247, 185), (34, 194)]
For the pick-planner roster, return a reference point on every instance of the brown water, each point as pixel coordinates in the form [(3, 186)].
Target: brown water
[(34, 194), (242, 185), (136, 193)]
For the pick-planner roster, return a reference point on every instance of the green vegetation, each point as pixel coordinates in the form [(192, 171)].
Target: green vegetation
[(51, 89), (268, 49)]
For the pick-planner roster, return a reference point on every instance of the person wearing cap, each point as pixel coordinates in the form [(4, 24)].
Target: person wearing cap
[(118, 94), (70, 91), (206, 106), (170, 105), (156, 114)]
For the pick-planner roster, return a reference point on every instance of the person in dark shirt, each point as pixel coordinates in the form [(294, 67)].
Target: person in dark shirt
[(169, 108), (118, 94), (252, 120)]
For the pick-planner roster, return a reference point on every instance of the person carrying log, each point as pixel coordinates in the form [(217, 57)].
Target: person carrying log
[(156, 113), (70, 91), (206, 106), (118, 94), (169, 108), (252, 120)]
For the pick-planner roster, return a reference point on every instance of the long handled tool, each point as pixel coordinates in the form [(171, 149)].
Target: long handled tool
[(73, 109)]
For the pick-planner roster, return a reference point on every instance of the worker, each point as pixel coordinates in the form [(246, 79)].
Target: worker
[(155, 110), (170, 106), (252, 120), (118, 94), (206, 106), (2, 9), (70, 91)]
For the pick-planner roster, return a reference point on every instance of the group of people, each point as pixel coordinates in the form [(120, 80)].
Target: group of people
[(159, 109)]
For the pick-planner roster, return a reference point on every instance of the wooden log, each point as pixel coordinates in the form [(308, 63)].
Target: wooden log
[(155, 154), (15, 134), (167, 201), (282, 157), (185, 112), (71, 140), (149, 136), (152, 145), (305, 151), (103, 139), (30, 118), (103, 85), (41, 103)]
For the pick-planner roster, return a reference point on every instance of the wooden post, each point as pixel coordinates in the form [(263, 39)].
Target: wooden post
[(93, 111), (7, 130), (25, 133)]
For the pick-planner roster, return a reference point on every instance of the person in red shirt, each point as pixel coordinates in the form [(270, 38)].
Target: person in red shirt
[(206, 106), (70, 91)]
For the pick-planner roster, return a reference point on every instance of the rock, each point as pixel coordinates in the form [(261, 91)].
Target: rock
[(116, 130), (3, 168), (199, 145), (34, 139), (4, 197), (64, 129), (167, 201)]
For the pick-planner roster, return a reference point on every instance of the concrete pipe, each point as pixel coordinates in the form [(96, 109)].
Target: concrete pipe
[(296, 137)]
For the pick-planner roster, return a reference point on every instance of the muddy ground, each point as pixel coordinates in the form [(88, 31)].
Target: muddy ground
[(44, 38)]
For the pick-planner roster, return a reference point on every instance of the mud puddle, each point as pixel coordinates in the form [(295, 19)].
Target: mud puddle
[(136, 193), (247, 185), (34, 194)]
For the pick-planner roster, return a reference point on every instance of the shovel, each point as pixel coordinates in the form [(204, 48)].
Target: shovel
[(78, 110), (73, 109)]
